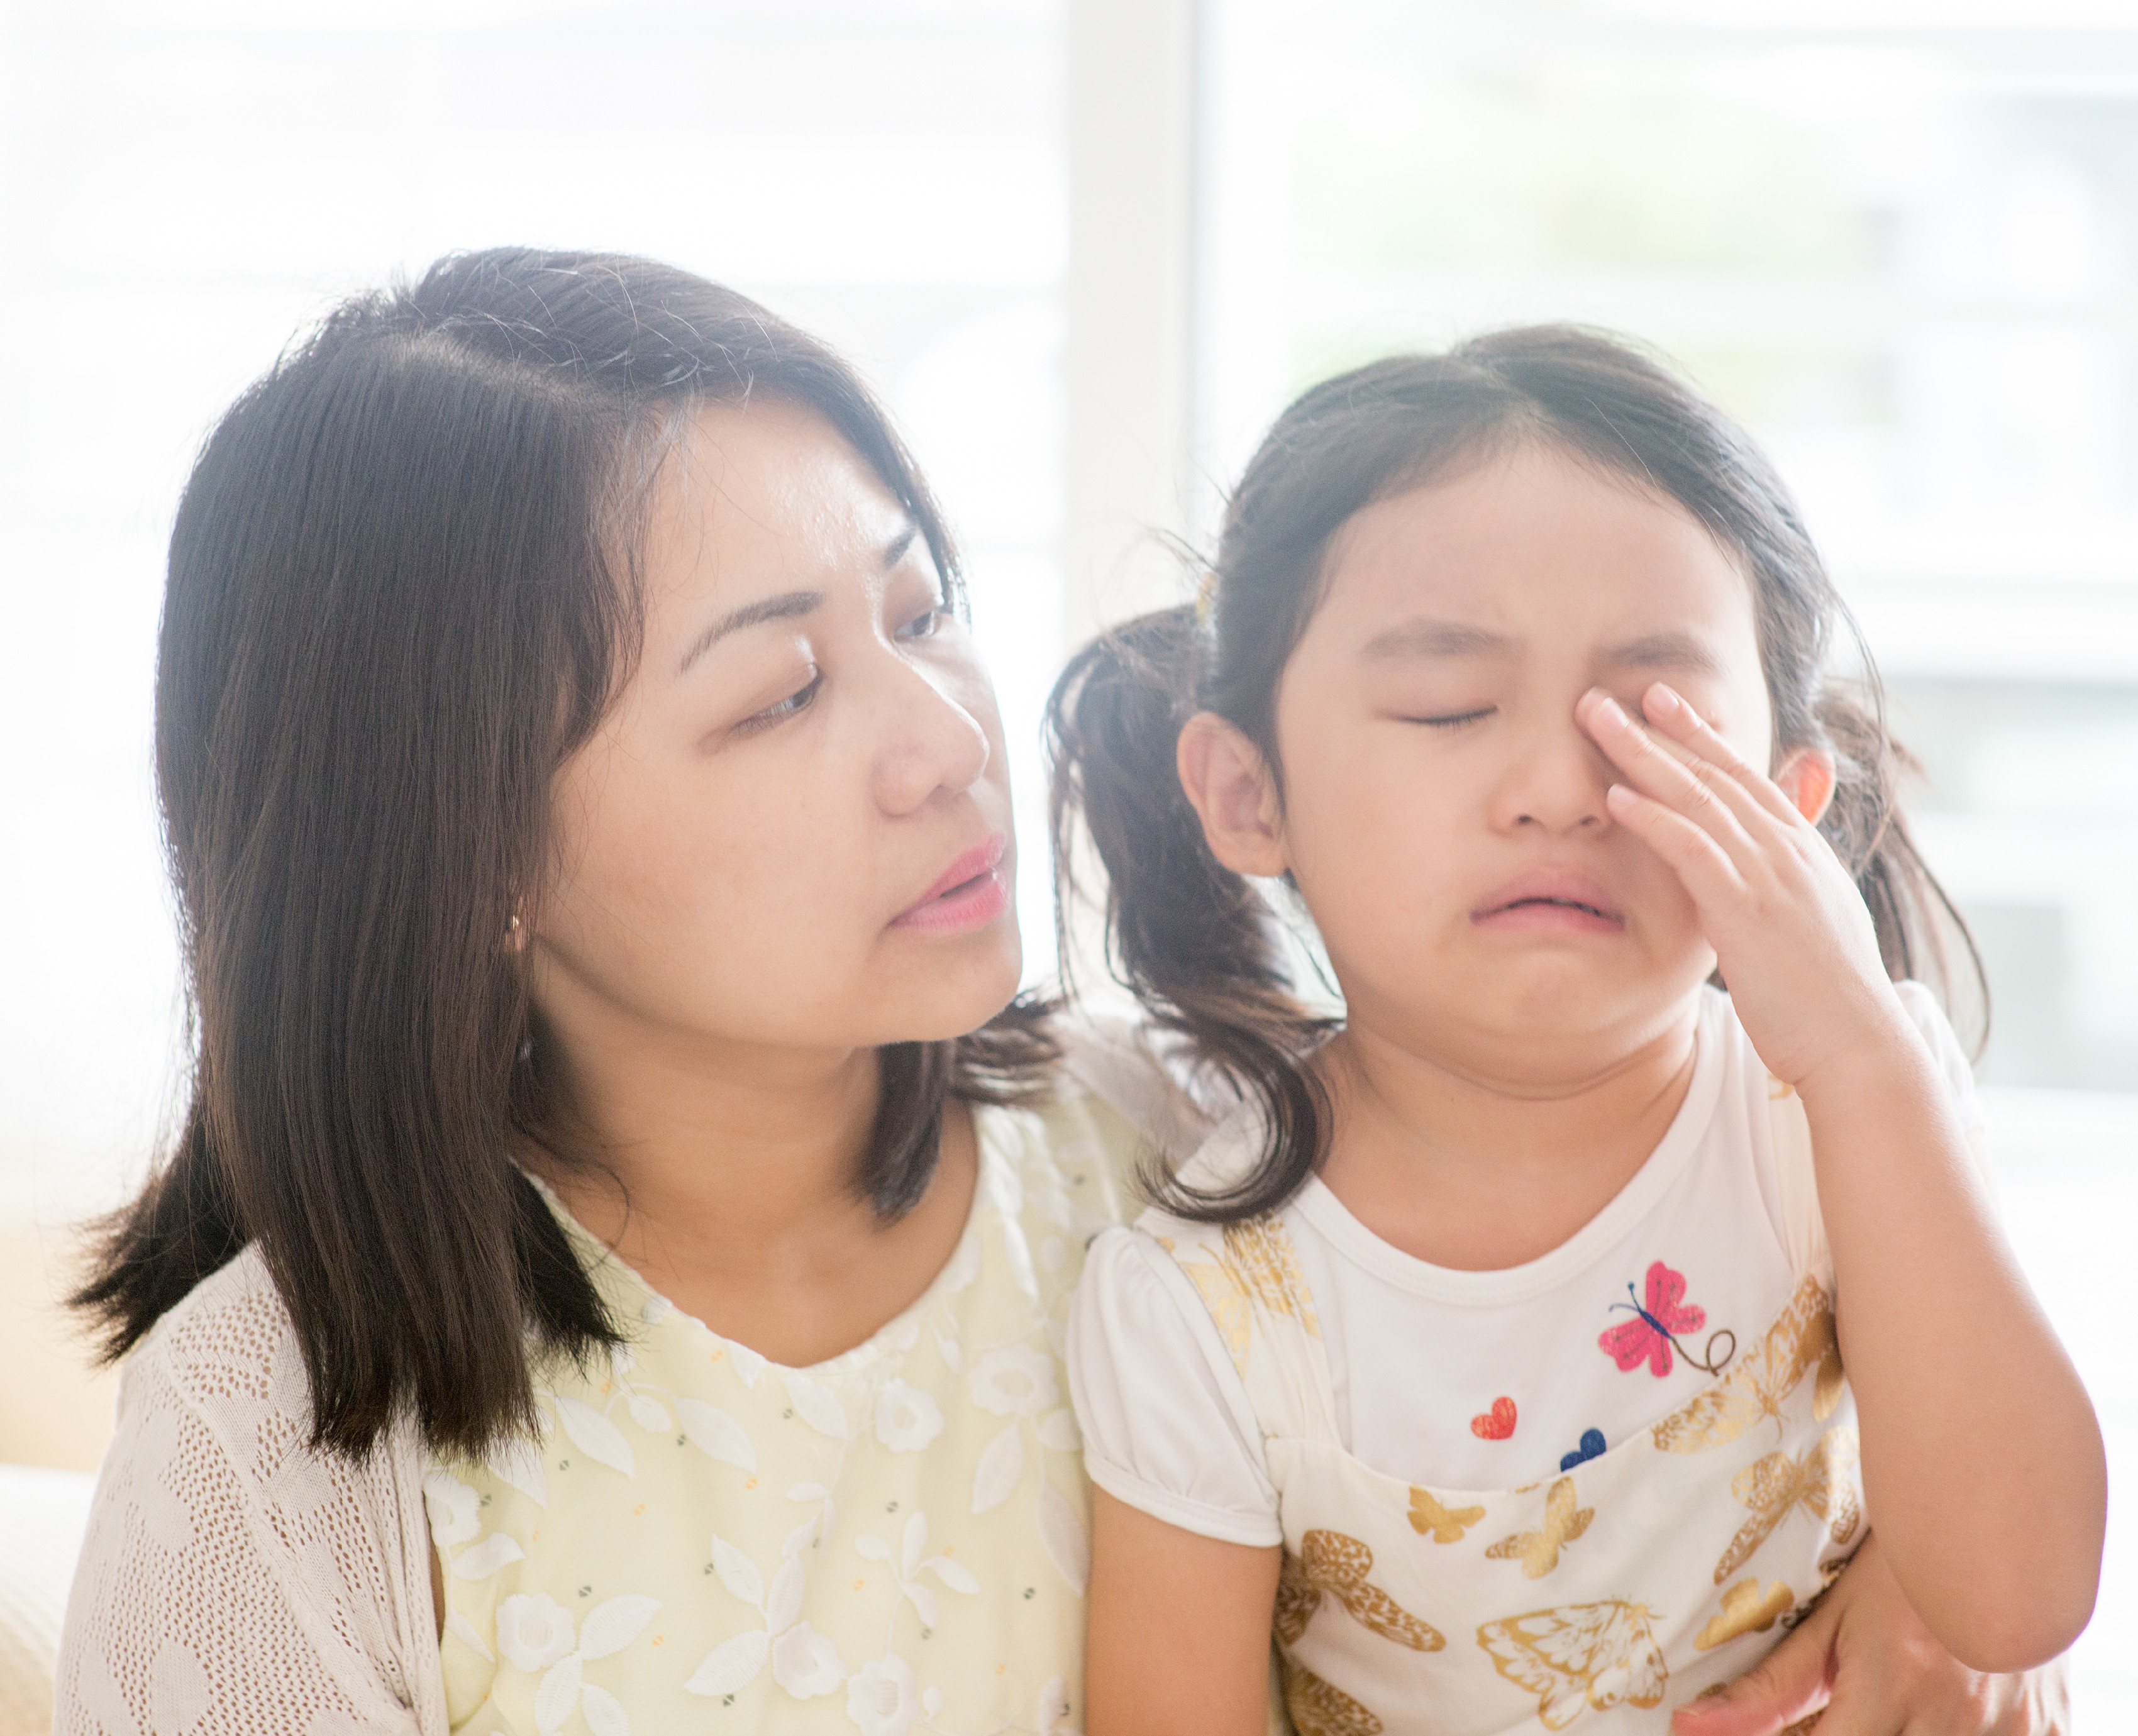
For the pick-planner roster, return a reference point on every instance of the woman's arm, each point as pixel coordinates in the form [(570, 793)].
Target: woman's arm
[(1864, 1660), (1180, 1629), (1983, 1464), (232, 1581)]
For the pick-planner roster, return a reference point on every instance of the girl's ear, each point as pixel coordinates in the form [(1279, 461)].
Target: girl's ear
[(1806, 778), (1231, 790)]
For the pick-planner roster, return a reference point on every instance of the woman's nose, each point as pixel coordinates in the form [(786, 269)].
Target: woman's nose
[(929, 741), (1555, 780)]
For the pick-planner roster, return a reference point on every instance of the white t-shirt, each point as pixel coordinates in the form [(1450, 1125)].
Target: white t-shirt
[(1464, 1380)]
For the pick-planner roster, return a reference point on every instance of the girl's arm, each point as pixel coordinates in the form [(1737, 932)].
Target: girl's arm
[(1983, 1464), (1180, 1629)]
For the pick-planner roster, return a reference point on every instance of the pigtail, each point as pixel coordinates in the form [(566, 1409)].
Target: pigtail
[(1922, 933), (1193, 940)]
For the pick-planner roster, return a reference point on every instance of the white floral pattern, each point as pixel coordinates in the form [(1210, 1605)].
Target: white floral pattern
[(1014, 1382), (894, 1541), (906, 1418), (882, 1698)]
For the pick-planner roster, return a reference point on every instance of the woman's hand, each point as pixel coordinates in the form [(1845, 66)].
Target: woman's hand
[(1795, 941), (1863, 1663)]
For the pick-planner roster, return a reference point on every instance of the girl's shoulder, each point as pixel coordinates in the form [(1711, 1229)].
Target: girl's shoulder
[(1925, 1012)]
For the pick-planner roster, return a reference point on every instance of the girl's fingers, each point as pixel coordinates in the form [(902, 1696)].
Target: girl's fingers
[(1701, 863), (1669, 774), (1667, 713)]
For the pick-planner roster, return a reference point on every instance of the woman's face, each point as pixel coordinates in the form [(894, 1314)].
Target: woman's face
[(792, 828)]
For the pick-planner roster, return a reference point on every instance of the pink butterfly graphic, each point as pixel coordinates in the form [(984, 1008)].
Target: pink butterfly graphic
[(1649, 1336)]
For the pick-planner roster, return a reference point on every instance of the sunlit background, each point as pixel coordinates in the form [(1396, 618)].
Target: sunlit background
[(1086, 249)]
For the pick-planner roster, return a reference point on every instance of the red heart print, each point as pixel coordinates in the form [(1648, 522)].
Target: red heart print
[(1495, 1424)]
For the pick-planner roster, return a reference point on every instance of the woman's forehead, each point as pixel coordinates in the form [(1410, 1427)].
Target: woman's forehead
[(765, 494)]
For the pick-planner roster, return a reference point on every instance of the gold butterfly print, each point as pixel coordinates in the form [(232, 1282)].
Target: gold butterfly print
[(1826, 1386), (1256, 1265), (1537, 1550), (1745, 1609), (1332, 1566), (1754, 1392), (1321, 1708), (1445, 1524), (1823, 1478), (1597, 1655)]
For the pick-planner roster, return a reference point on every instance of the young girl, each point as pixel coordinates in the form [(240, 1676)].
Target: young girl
[(1490, 1354)]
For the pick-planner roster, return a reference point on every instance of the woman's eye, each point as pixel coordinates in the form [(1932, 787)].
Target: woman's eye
[(1454, 719), (797, 702), (927, 624)]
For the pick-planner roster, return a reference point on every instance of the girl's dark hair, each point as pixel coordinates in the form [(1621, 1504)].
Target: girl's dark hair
[(1195, 941), (403, 588)]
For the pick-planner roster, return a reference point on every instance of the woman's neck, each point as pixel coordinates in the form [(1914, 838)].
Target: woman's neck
[(1466, 1169), (725, 1176)]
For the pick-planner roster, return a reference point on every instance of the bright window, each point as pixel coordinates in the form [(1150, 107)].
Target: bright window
[(187, 182)]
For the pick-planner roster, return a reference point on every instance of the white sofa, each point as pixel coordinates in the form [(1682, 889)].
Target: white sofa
[(41, 1515)]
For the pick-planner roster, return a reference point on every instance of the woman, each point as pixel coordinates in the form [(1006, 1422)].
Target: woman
[(612, 1126)]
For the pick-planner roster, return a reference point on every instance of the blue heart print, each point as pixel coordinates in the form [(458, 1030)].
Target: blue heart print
[(1591, 1447)]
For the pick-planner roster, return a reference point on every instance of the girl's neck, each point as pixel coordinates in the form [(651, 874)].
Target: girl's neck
[(1464, 1169), (725, 1177)]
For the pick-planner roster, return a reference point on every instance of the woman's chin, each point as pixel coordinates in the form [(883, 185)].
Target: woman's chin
[(956, 988)]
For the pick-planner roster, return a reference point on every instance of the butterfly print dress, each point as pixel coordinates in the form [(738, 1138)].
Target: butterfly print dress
[(1645, 1571)]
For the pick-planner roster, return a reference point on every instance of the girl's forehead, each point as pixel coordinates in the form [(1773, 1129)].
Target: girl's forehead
[(1538, 545)]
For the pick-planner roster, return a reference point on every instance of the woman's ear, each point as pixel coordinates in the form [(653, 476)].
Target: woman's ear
[(1231, 787), (1806, 778)]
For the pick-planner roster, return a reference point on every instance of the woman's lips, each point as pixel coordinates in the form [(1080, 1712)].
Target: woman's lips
[(968, 894), (1549, 903)]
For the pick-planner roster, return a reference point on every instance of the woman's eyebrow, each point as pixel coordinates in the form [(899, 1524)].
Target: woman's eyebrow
[(786, 607)]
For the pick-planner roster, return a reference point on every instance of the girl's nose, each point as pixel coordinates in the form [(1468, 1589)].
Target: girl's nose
[(929, 741), (1554, 781)]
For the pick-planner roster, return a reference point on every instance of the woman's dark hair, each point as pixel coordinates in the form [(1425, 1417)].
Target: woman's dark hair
[(1196, 942), (403, 588)]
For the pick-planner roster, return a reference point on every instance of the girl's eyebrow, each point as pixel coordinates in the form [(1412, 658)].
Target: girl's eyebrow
[(1679, 651), (1425, 637)]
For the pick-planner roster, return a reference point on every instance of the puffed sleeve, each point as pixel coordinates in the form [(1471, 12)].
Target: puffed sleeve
[(1167, 1426)]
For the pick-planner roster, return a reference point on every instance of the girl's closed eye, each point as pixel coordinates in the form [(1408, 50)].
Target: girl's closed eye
[(1454, 718), (1440, 711)]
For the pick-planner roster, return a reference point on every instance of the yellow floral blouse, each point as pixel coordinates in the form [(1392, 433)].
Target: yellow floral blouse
[(894, 1540)]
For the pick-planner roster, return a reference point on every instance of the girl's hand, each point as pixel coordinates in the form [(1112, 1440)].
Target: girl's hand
[(1863, 1663), (1794, 940)]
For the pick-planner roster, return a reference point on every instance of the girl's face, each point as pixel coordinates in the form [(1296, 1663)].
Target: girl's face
[(1443, 811), (792, 829)]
